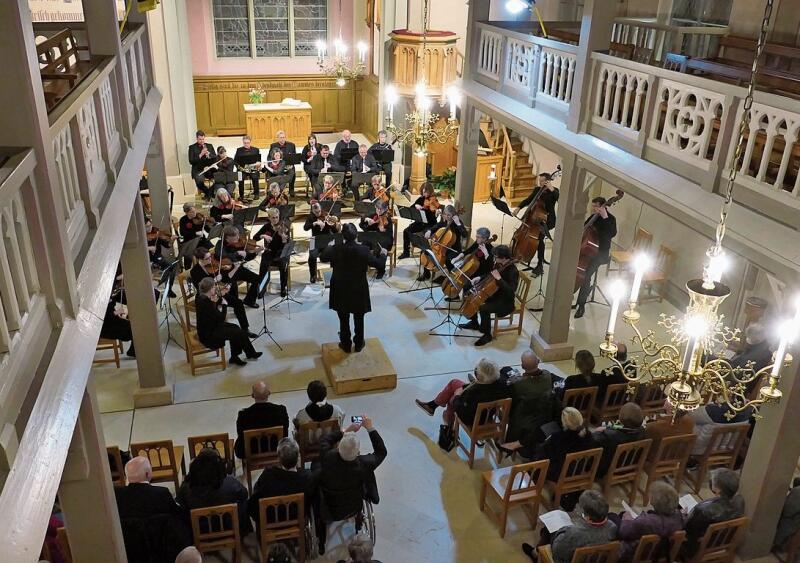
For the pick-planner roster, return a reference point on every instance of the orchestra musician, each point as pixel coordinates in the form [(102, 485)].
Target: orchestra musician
[(381, 222), (201, 155), (328, 190), (450, 220), (318, 223), (307, 155), (287, 149), (428, 205), (191, 226), (275, 234), (116, 325), (377, 189), (549, 198), (606, 226), (156, 243), (362, 163), (483, 251), (323, 163), (346, 142), (223, 207), (275, 166), (502, 302), (213, 331), (247, 149), (386, 167), (276, 196), (222, 175), (229, 246), (223, 276)]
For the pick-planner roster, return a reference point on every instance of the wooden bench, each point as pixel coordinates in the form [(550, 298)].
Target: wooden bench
[(61, 65)]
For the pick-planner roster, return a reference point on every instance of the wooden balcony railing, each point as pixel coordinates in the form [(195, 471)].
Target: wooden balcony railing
[(695, 41)]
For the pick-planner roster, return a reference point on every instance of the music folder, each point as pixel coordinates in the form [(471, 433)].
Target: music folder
[(413, 213), (364, 208), (245, 159), (292, 159), (346, 155), (286, 211), (246, 215), (282, 180), (383, 156)]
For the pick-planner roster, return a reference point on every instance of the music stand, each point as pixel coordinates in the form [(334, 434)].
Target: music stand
[(383, 156), (166, 280), (241, 217), (502, 207), (216, 230), (413, 214), (346, 156), (283, 181), (360, 179), (286, 253), (364, 208), (377, 239), (448, 319), (247, 159), (264, 329), (187, 249), (286, 211), (419, 241), (329, 206), (293, 159)]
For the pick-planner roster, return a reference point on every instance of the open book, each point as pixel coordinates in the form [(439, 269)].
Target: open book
[(555, 520), (687, 502)]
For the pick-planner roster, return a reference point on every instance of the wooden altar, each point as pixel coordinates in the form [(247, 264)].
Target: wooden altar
[(265, 120)]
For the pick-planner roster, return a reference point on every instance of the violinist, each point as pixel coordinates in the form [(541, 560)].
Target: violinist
[(382, 145), (230, 247), (319, 223), (307, 156), (156, 242), (201, 155), (116, 325), (247, 149), (329, 190), (193, 225), (548, 198), (223, 175), (275, 234), (376, 190), (381, 222), (277, 197), (606, 226), (502, 302), (323, 163), (287, 148), (428, 205), (224, 204), (450, 220), (223, 276)]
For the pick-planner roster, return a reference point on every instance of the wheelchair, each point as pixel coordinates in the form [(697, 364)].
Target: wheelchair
[(364, 521)]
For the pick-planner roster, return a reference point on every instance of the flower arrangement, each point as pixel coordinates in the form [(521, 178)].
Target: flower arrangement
[(257, 95), (445, 184)]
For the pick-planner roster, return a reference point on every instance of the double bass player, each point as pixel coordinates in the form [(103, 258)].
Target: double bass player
[(549, 197), (605, 224)]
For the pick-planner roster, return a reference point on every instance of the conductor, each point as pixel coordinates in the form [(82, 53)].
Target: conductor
[(349, 288)]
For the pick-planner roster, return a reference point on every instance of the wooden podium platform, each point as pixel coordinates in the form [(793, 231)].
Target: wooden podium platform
[(367, 370)]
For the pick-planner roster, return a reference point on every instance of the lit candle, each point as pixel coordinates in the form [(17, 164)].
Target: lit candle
[(641, 265), (321, 51), (493, 172), (362, 51), (694, 327), (617, 290), (788, 331), (391, 99), (691, 348), (339, 48)]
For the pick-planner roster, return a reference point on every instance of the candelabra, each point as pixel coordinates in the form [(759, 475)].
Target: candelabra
[(340, 66), (420, 129)]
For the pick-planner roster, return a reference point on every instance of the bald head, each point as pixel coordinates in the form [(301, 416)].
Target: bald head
[(530, 361), (138, 470), (260, 392), (189, 555)]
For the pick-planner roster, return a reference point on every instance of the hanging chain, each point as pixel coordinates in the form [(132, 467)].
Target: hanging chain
[(424, 37), (743, 126)]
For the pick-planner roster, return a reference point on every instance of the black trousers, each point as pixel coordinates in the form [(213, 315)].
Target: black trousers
[(267, 260), (313, 256), (485, 314), (236, 336), (540, 252), (254, 179), (344, 328), (199, 181), (252, 279), (312, 183), (233, 301), (413, 228), (387, 169), (586, 288)]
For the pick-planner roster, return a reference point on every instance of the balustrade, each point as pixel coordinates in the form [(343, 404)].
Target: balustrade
[(695, 41)]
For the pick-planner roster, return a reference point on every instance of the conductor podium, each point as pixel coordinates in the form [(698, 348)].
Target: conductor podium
[(368, 370)]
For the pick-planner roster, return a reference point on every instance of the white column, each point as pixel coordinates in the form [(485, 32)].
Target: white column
[(467, 162), (157, 180)]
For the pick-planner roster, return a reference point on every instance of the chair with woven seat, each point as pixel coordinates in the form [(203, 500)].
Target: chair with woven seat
[(582, 399), (720, 541), (215, 528), (280, 519), (116, 466), (626, 468), (642, 241), (722, 451), (308, 436), (616, 396), (260, 450), (602, 553), (577, 474), (109, 344), (193, 348), (520, 299), (165, 459), (646, 551), (490, 423), (658, 275), (221, 442), (518, 485), (670, 461)]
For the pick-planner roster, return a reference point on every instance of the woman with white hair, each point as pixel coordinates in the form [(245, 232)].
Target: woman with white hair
[(462, 398)]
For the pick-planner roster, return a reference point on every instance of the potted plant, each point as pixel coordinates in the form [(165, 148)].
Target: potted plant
[(445, 184), (257, 95)]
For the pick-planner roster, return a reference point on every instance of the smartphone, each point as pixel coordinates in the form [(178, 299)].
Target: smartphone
[(357, 419)]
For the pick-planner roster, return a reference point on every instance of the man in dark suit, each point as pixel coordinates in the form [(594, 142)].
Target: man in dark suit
[(349, 293), (287, 149), (213, 330), (382, 145), (261, 414), (140, 499), (201, 155), (346, 142), (362, 163), (247, 149)]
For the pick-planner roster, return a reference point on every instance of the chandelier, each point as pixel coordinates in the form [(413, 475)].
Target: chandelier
[(689, 361), (420, 124), (340, 65)]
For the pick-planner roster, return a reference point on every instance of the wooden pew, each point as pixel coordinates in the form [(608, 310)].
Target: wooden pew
[(63, 64)]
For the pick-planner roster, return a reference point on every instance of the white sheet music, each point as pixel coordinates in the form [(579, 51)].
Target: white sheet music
[(626, 507), (687, 502), (555, 520)]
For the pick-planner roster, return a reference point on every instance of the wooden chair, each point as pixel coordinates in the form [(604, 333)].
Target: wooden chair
[(63, 544), (582, 399), (520, 298), (222, 442), (616, 396), (490, 423), (626, 468), (164, 459), (720, 541), (723, 448), (280, 519), (603, 553), (518, 485), (642, 55), (108, 344), (188, 299), (62, 65), (645, 549), (792, 547), (659, 274), (260, 450), (650, 399), (577, 474), (308, 437), (116, 466), (642, 241), (194, 348), (670, 461), (675, 62), (217, 527)]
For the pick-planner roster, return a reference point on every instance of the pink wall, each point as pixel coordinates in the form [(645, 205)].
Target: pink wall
[(204, 57)]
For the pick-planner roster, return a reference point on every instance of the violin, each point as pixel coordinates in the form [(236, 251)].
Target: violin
[(329, 219), (463, 271), (217, 266), (590, 242), (525, 241), (331, 193), (280, 199), (482, 291), (155, 234), (200, 219), (431, 203), (245, 243)]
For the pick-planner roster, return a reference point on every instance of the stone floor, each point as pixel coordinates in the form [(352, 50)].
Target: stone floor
[(429, 507)]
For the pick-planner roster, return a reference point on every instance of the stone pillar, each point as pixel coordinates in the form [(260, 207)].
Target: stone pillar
[(157, 180), (550, 342), (467, 163), (664, 13), (770, 465), (87, 494), (153, 390), (598, 18)]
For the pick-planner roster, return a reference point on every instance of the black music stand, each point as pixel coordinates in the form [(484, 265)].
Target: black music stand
[(242, 217), (419, 241), (283, 181), (187, 249), (288, 250), (364, 208), (248, 159), (166, 280), (286, 211), (502, 207), (412, 213), (448, 321), (264, 329), (293, 159), (360, 179), (346, 156), (216, 230), (332, 207), (383, 156)]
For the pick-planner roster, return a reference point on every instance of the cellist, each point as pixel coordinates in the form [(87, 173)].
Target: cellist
[(549, 198), (428, 205), (606, 226), (482, 249), (502, 302), (450, 220)]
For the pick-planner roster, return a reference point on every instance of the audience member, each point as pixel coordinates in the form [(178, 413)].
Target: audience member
[(533, 401), (318, 408), (629, 429), (360, 550), (261, 414), (709, 417), (208, 484), (669, 424), (726, 505), (586, 376), (756, 348), (140, 499), (664, 520), (279, 553), (189, 555), (615, 375), (789, 523)]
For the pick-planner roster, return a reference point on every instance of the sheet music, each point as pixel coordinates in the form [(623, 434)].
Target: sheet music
[(555, 520), (687, 502), (629, 510)]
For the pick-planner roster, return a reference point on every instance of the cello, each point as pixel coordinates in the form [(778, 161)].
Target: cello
[(482, 291), (525, 241), (441, 241), (590, 242), (463, 272)]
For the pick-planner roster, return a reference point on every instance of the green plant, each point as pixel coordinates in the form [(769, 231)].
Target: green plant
[(445, 184)]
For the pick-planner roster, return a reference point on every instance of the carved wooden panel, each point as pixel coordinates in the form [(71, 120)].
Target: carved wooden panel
[(264, 122)]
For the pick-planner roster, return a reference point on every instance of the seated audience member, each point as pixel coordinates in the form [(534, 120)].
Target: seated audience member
[(586, 377), (726, 505), (140, 499), (629, 429), (463, 398), (615, 375), (318, 408), (664, 520), (279, 553), (709, 417), (360, 551), (261, 414), (789, 523), (208, 484), (533, 402), (664, 426), (594, 528), (189, 555), (756, 348)]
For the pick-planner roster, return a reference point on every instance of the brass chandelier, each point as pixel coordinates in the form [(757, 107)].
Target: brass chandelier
[(340, 66), (691, 366)]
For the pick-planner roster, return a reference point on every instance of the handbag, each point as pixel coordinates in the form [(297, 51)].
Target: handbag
[(447, 439)]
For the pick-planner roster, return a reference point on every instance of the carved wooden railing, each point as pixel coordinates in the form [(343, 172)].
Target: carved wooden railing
[(443, 63), (509, 160), (695, 41)]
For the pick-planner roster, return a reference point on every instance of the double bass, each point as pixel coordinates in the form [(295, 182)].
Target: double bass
[(462, 273), (590, 242), (482, 291), (525, 241)]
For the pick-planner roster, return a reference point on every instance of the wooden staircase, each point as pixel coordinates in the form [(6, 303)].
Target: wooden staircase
[(523, 181)]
